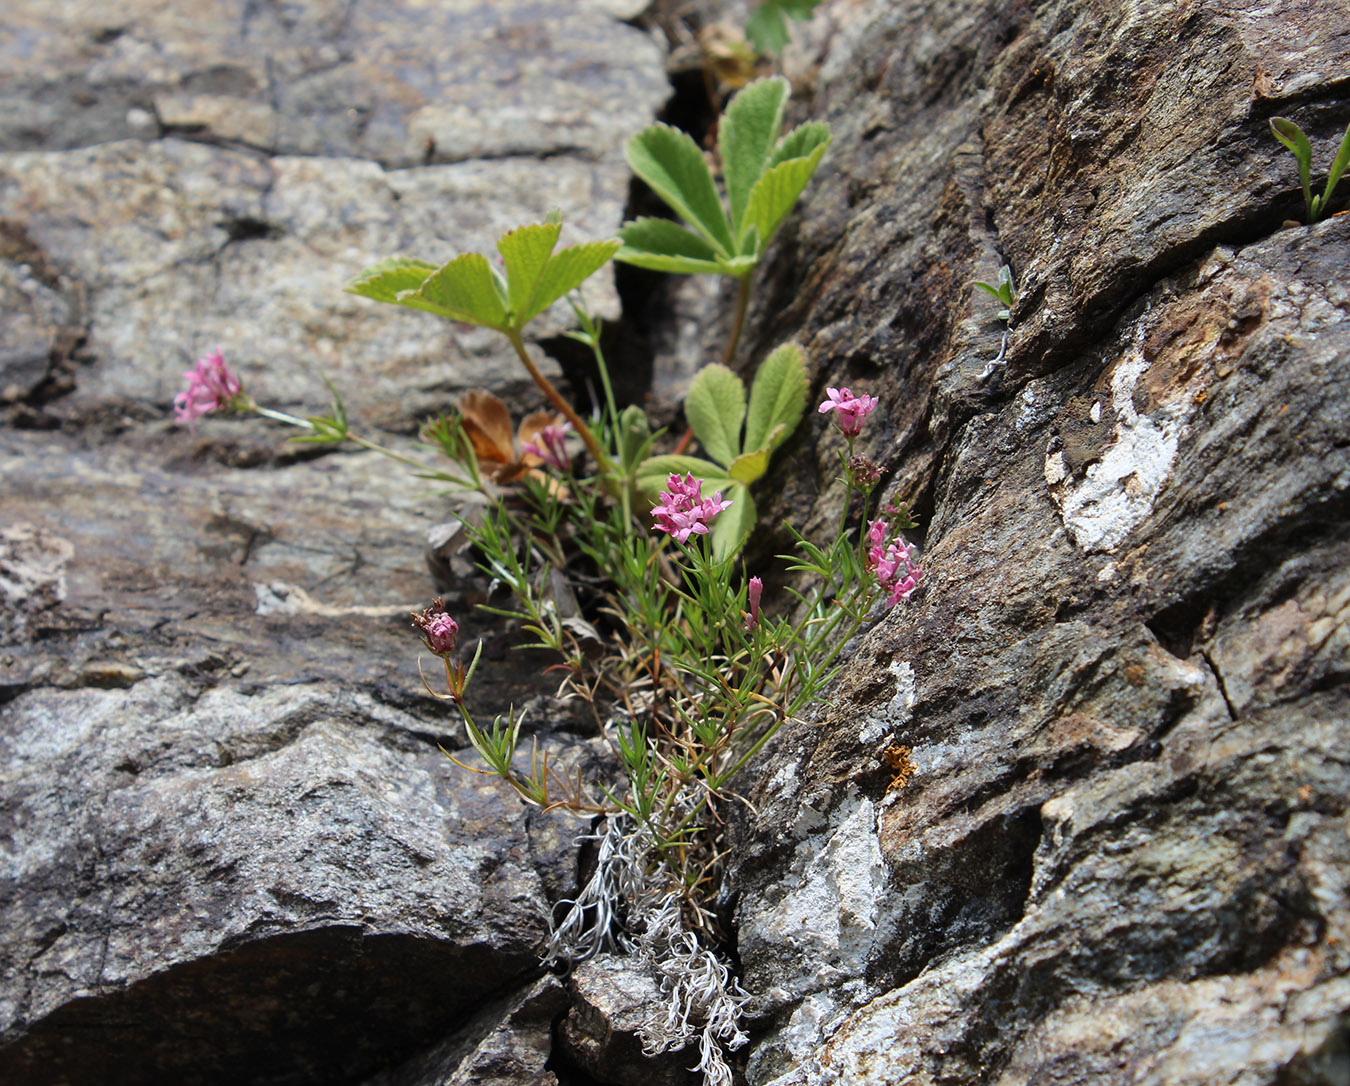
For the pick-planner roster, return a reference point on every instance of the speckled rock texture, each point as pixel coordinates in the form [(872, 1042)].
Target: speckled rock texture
[(230, 848), (1123, 853)]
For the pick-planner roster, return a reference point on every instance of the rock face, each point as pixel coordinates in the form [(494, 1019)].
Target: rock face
[(230, 850), (1122, 853), (1079, 812)]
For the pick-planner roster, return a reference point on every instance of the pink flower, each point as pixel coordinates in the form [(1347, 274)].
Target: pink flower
[(211, 386), (550, 445), (852, 410), (440, 632), (893, 563), (753, 594), (685, 511)]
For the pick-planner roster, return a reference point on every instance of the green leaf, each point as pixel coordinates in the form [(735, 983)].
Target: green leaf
[(526, 251), (734, 524), (385, 281), (747, 133), (1338, 167), (671, 163), (801, 142), (662, 245), (776, 191), (1291, 135), (566, 270), (777, 398), (748, 467), (465, 289), (715, 408), (767, 28)]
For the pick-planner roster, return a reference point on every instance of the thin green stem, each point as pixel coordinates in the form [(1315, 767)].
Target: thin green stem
[(742, 303), (555, 397)]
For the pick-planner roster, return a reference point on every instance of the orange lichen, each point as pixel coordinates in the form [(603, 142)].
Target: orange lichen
[(897, 759)]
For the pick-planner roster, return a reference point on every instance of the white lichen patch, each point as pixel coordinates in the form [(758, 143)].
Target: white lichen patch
[(1119, 489), (895, 714), (834, 889)]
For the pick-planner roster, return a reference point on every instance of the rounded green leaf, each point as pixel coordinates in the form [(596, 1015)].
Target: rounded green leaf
[(777, 398), (715, 408)]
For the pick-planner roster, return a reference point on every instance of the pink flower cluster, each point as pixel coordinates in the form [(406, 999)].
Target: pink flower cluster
[(550, 445), (852, 411), (892, 560), (211, 386), (684, 510), (439, 631)]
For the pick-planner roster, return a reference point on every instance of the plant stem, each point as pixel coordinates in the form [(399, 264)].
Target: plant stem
[(555, 397), (742, 303)]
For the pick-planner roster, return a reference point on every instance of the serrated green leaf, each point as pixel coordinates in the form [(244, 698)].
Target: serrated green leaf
[(567, 269), (715, 408), (526, 251), (801, 142), (747, 133), (734, 524), (677, 265), (667, 246), (385, 281), (777, 398), (748, 467), (671, 163), (775, 193), (464, 290)]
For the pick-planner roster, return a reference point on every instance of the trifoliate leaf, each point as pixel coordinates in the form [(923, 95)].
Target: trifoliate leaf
[(465, 289), (747, 133), (767, 26), (715, 407), (777, 398), (672, 164)]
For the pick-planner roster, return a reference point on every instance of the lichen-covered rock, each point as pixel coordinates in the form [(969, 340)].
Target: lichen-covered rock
[(1120, 854)]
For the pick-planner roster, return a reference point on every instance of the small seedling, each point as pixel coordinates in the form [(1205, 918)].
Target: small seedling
[(1291, 135), (1003, 292)]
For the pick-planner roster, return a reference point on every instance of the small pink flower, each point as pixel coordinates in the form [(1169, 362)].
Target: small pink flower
[(893, 563), (685, 511), (211, 386), (550, 445), (440, 632), (753, 594), (852, 410)]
